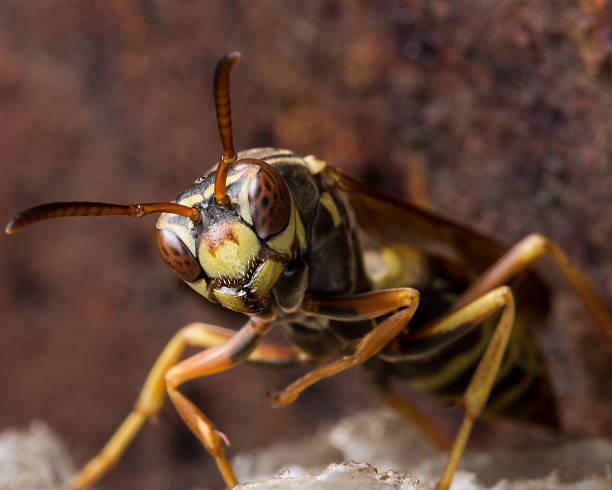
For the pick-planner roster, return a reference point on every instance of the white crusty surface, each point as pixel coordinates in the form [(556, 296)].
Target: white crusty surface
[(33, 458), (388, 444), (371, 450), (341, 476)]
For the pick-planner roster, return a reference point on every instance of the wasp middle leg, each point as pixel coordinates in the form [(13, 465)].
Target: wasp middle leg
[(481, 383), (460, 321), (424, 423), (359, 307)]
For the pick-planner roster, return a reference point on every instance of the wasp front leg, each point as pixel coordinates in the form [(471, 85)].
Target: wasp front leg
[(210, 361), (355, 308), (226, 348)]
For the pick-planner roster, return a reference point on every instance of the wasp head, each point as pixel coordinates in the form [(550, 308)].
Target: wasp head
[(235, 252), (229, 235)]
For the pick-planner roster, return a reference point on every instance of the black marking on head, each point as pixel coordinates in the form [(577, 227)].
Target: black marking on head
[(212, 213)]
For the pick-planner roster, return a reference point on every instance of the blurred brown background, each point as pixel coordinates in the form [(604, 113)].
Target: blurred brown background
[(494, 113)]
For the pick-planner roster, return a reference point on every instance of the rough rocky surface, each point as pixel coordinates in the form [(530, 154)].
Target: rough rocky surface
[(384, 441), (33, 458), (342, 476), (372, 450), (494, 113)]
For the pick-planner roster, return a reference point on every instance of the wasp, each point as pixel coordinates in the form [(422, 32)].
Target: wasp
[(343, 269)]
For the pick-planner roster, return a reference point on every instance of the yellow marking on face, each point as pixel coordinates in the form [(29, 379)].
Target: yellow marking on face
[(231, 299), (315, 165), (243, 195), (201, 287), (265, 278), (328, 202), (283, 241), (228, 249), (191, 200), (209, 191), (182, 231), (285, 159), (235, 175)]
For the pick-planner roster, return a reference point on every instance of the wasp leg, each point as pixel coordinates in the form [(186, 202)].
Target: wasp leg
[(522, 256), (423, 422), (153, 391), (479, 388), (359, 307), (210, 361)]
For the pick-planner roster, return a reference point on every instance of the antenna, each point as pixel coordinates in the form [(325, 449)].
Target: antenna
[(64, 209), (224, 120)]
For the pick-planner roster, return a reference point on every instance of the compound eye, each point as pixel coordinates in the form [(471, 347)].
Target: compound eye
[(269, 201), (176, 255)]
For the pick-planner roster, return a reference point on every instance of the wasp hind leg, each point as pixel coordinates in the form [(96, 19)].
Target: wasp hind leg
[(521, 257), (480, 385), (226, 348), (418, 418)]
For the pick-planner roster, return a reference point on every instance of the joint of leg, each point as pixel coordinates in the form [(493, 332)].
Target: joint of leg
[(505, 292), (411, 297), (212, 441), (193, 331), (360, 356), (472, 410), (171, 379), (537, 243)]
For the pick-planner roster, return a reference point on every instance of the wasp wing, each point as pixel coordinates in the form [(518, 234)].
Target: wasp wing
[(386, 219)]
